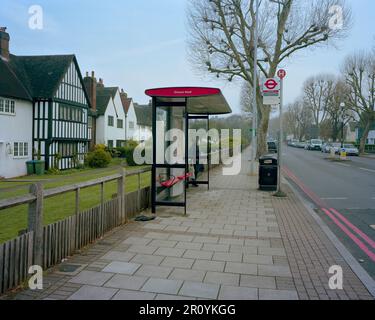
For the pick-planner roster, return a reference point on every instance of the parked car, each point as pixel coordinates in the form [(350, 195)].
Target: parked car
[(272, 147), (325, 147), (300, 144), (315, 144), (350, 150), (335, 146)]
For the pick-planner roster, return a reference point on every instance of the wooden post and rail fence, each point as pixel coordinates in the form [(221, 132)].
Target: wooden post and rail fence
[(49, 245)]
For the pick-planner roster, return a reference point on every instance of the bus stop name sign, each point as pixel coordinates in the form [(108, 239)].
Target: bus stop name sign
[(271, 91)]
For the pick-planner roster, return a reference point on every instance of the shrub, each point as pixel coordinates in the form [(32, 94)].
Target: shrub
[(127, 152), (98, 158)]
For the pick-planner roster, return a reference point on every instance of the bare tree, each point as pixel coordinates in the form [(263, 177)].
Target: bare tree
[(298, 119), (359, 72), (222, 34), (317, 94), (339, 115)]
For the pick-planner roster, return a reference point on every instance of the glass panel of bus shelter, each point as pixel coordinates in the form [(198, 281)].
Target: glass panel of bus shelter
[(170, 151), (199, 147)]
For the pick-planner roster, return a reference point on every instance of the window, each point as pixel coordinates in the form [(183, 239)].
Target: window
[(120, 143), (20, 149), (7, 106), (69, 113), (131, 125), (67, 149), (89, 122), (110, 121), (120, 123), (110, 143)]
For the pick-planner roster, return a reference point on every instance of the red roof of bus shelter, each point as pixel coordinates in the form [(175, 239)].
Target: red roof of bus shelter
[(200, 100)]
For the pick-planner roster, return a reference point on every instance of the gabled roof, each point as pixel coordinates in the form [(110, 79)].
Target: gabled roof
[(143, 114), (103, 96), (28, 77), (126, 102), (102, 104)]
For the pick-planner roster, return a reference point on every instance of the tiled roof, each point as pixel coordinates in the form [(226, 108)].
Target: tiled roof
[(144, 114), (27, 77), (126, 102)]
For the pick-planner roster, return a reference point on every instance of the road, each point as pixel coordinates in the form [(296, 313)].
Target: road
[(343, 194)]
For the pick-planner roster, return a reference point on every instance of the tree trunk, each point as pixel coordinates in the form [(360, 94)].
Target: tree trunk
[(362, 142), (263, 121)]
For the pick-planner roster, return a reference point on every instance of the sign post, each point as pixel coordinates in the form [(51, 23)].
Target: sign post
[(281, 74)]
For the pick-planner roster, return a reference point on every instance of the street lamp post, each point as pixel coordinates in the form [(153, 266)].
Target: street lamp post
[(255, 111), (342, 109)]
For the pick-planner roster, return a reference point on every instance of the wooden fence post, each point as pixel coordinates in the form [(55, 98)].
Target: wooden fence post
[(77, 200), (139, 206), (120, 194), (35, 222)]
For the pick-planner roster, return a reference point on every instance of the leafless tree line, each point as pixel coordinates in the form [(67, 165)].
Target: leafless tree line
[(328, 101)]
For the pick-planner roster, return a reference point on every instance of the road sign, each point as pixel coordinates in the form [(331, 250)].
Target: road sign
[(271, 91), (281, 74), (270, 84)]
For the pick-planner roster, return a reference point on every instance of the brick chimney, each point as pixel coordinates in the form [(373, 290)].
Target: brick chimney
[(90, 85), (4, 43), (100, 83), (123, 94)]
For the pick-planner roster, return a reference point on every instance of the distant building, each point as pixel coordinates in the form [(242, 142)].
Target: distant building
[(131, 126), (107, 115), (43, 110), (144, 121)]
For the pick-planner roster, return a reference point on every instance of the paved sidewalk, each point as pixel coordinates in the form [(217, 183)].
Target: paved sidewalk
[(235, 243)]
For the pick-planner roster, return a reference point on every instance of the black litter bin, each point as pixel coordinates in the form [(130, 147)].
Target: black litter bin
[(268, 173)]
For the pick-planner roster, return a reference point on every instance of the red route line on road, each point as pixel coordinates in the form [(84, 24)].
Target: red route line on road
[(331, 214)]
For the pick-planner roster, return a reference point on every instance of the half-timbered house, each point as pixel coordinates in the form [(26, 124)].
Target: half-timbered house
[(59, 104)]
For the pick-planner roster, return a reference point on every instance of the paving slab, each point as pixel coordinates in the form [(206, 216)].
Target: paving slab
[(177, 262), (148, 259), (208, 265), (154, 271), (91, 278), (126, 282), (118, 256), (167, 286), (122, 267), (187, 274), (257, 282), (93, 293), (200, 290), (237, 293), (222, 278), (133, 295), (269, 294)]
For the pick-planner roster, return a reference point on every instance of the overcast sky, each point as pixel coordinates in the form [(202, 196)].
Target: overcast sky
[(141, 44)]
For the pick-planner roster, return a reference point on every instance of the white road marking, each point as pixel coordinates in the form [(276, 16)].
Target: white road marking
[(369, 170), (334, 198), (344, 164)]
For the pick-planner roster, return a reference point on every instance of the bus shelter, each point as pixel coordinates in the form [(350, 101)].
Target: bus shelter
[(173, 109)]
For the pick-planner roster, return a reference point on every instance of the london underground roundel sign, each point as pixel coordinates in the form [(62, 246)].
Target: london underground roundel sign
[(271, 84)]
